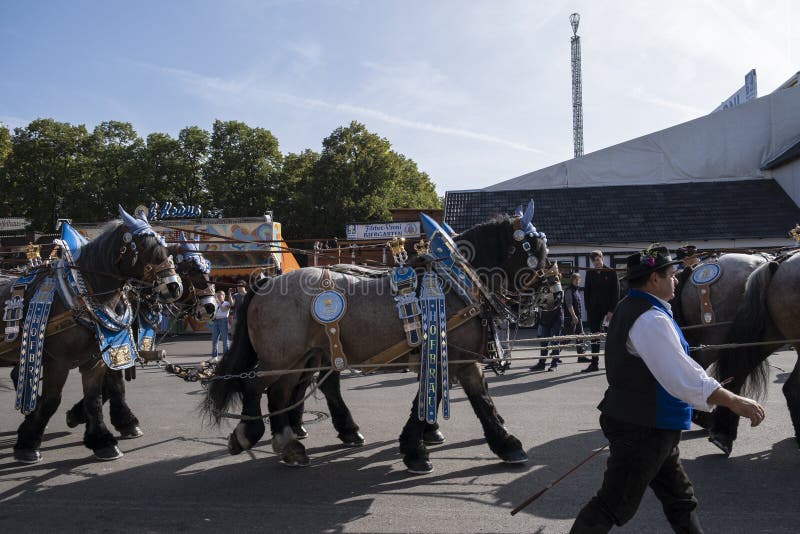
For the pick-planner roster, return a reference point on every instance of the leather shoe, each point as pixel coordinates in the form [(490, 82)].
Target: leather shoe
[(538, 367), (584, 359), (592, 368)]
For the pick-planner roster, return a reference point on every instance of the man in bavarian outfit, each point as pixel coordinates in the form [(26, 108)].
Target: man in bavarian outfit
[(652, 386)]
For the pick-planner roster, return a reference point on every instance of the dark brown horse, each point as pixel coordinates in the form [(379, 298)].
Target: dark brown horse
[(124, 253), (197, 300), (275, 331)]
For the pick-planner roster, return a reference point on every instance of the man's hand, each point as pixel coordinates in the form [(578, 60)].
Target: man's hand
[(741, 406)]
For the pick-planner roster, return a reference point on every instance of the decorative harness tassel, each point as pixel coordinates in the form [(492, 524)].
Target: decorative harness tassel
[(404, 285), (32, 346), (434, 350)]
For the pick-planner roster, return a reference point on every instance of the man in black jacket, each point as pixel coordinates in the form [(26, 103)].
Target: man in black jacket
[(601, 292)]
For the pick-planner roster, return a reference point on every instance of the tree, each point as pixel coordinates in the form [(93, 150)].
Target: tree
[(194, 143), (243, 170), (296, 197), (5, 152), (43, 176), (115, 152), (358, 178)]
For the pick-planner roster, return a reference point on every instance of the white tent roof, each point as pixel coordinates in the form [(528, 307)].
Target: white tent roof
[(728, 145)]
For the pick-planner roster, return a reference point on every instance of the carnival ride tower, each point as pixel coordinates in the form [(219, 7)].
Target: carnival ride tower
[(577, 91)]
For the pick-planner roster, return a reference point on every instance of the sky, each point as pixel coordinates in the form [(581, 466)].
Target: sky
[(474, 91)]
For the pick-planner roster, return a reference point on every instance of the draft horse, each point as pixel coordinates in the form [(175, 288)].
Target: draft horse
[(126, 252), (197, 300), (275, 331), (769, 311)]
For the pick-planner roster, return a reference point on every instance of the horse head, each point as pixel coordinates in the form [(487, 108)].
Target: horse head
[(510, 257), (143, 256), (194, 269)]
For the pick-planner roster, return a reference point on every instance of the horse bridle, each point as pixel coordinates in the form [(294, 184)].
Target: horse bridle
[(195, 298)]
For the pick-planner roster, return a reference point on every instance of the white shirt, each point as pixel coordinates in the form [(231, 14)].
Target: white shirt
[(223, 308), (653, 339)]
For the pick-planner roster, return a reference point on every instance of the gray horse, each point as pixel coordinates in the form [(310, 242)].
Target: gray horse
[(769, 310), (725, 296), (275, 331)]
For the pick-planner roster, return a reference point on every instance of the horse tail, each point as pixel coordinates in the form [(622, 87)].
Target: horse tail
[(240, 357), (748, 366)]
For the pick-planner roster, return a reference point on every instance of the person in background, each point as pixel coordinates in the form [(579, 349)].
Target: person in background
[(573, 304), (219, 325), (237, 296), (653, 385), (550, 325), (601, 292)]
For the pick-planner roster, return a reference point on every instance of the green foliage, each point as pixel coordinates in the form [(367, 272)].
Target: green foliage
[(44, 174), (50, 170), (243, 169), (115, 176), (358, 178)]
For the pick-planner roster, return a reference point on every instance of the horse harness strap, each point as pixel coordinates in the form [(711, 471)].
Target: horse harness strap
[(328, 308), (401, 348), (703, 276), (55, 325)]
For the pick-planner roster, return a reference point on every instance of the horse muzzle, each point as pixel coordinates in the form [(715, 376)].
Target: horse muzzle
[(204, 308), (169, 288)]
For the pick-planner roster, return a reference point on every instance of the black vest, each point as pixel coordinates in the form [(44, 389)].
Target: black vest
[(633, 394)]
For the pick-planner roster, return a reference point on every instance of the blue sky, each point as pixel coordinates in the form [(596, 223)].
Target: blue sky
[(475, 92)]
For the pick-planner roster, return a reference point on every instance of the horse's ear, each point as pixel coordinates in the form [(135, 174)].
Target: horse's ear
[(126, 217), (528, 215)]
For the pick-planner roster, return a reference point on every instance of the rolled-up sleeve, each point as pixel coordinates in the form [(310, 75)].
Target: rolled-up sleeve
[(653, 338)]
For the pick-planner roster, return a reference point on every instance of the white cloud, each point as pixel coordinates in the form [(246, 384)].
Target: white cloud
[(249, 92)]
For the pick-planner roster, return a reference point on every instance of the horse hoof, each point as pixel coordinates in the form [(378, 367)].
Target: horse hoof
[(433, 437), (352, 439), (300, 432), (295, 462), (132, 432), (723, 442), (294, 455), (74, 420), (514, 457), (233, 445), (27, 456), (108, 453), (418, 466)]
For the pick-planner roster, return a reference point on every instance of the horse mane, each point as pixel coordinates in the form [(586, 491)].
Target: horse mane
[(748, 366), (98, 258), (99, 255), (491, 241)]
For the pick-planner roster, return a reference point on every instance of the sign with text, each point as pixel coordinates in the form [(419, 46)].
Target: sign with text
[(388, 230), (749, 91), (13, 223)]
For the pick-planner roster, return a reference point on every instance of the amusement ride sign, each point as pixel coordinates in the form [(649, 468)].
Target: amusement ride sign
[(169, 211)]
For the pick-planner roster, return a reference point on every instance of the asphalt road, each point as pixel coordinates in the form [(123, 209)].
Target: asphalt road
[(179, 476)]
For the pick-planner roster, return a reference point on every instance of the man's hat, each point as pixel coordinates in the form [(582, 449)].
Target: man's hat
[(650, 260)]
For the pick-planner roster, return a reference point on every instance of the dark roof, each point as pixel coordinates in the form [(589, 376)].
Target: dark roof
[(639, 213)]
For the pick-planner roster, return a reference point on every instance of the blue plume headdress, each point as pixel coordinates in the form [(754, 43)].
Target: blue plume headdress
[(139, 226), (526, 219), (190, 251)]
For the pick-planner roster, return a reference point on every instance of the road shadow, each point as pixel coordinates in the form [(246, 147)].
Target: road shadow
[(211, 491)]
